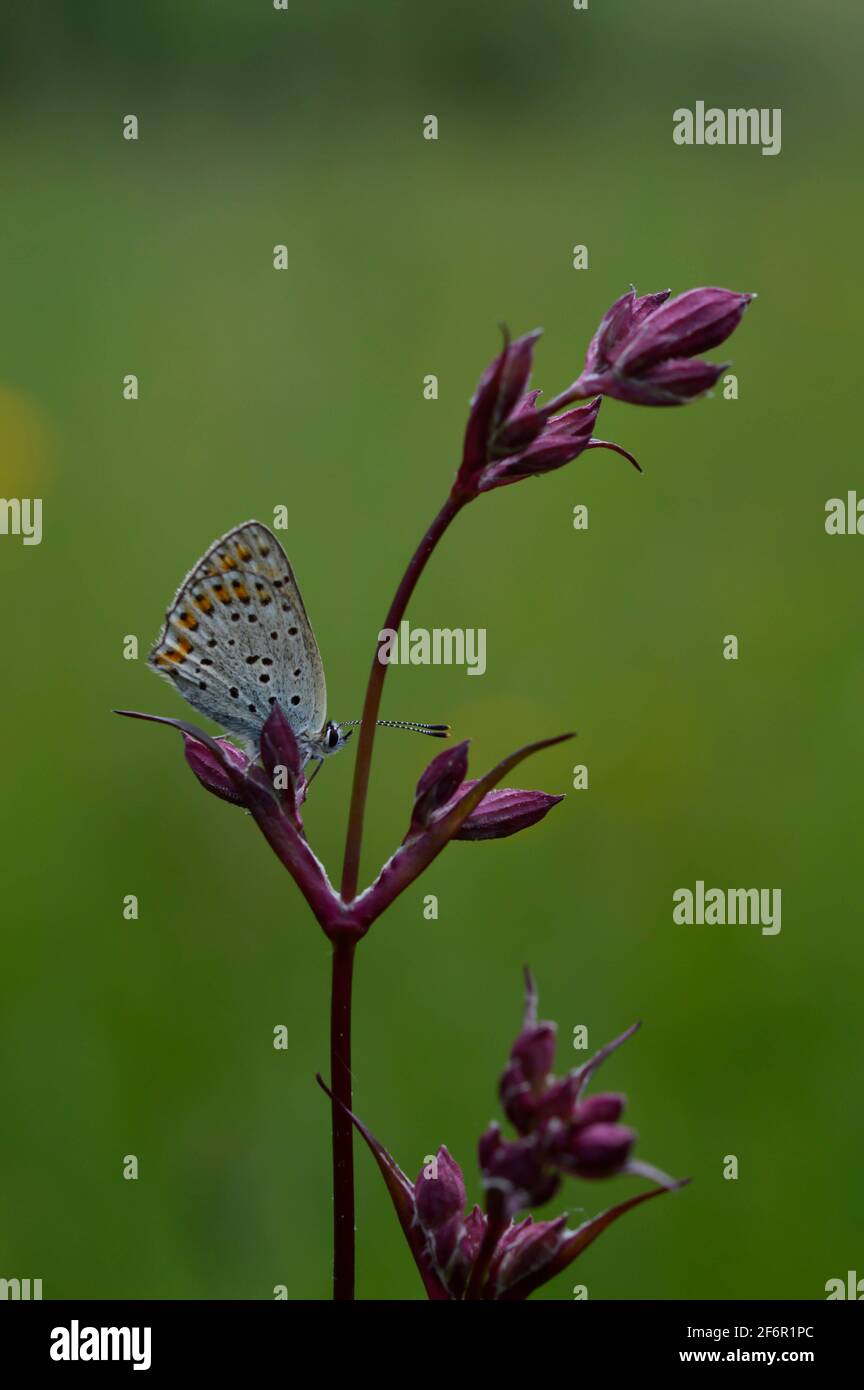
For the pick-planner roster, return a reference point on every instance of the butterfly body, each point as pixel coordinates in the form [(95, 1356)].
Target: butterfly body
[(237, 639)]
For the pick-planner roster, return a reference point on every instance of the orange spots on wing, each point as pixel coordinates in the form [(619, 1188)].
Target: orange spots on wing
[(187, 619), (172, 656), (221, 593), (227, 562), (203, 602), (240, 590), (243, 552)]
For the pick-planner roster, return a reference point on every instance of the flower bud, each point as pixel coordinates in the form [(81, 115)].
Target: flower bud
[(498, 394), (603, 1109), (279, 745), (618, 325), (534, 1049), (692, 322), (210, 771), (558, 1100), (641, 351), (561, 439), (670, 383), (438, 784), (504, 811), (488, 1145), (517, 1098), (518, 1169), (508, 438), (595, 1151), (526, 1249), (438, 1199)]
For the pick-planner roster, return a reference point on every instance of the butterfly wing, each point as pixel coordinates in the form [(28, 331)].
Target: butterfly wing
[(237, 638)]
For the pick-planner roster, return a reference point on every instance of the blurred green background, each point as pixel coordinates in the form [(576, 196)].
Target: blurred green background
[(304, 388)]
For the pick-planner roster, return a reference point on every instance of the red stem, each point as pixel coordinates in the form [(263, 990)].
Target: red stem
[(372, 703), (343, 1151), (343, 949)]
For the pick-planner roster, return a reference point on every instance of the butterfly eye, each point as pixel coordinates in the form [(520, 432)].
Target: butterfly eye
[(332, 736)]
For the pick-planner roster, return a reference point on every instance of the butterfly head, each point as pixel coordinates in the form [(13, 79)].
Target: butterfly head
[(334, 738), (315, 748)]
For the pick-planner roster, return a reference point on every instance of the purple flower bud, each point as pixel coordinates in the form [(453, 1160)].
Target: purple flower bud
[(618, 324), (672, 383), (525, 1078), (498, 394), (280, 756), (595, 1151), (452, 1249), (452, 1241), (518, 1169), (692, 322), (475, 1229), (640, 351), (603, 1109), (534, 1049), (558, 1100), (438, 1199), (209, 770), (488, 1144), (562, 439), (438, 785), (503, 811), (279, 745), (443, 1241), (524, 425), (526, 1249), (517, 1098), (508, 438)]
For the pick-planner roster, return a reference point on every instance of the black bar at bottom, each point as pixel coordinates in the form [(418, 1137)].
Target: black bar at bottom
[(219, 1338)]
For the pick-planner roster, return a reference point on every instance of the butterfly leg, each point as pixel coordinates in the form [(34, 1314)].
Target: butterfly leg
[(319, 763)]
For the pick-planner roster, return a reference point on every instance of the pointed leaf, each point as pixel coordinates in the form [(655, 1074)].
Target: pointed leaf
[(416, 854), (233, 771), (582, 1075), (579, 1240), (401, 1191)]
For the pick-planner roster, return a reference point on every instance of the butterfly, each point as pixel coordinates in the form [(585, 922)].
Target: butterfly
[(237, 639)]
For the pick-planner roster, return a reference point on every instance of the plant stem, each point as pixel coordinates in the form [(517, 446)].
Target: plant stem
[(496, 1224), (343, 1152), (372, 702), (343, 949)]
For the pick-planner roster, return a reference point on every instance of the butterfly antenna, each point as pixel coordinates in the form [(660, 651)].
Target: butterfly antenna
[(433, 730)]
